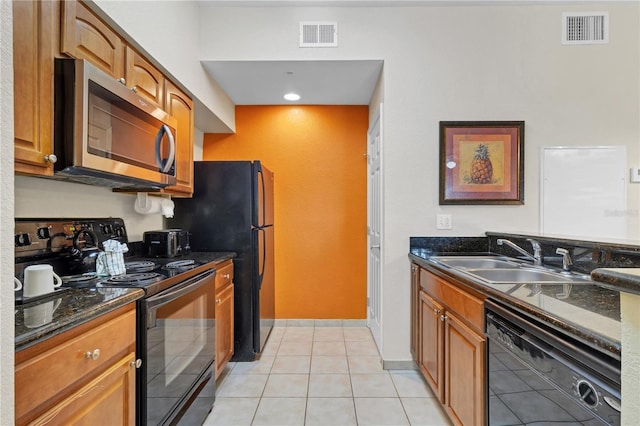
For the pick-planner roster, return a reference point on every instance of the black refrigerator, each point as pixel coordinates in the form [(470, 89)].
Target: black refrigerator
[(232, 210)]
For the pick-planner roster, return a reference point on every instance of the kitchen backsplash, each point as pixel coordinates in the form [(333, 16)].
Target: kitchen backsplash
[(586, 255), (37, 197)]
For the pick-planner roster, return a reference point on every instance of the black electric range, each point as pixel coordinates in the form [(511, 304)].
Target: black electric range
[(175, 331)]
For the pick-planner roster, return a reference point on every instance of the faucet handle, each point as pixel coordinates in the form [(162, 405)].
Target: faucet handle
[(566, 258)]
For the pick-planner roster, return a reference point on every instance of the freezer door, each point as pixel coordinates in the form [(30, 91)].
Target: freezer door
[(263, 195)]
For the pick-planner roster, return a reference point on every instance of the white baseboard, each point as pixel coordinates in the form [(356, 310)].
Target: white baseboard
[(319, 323)]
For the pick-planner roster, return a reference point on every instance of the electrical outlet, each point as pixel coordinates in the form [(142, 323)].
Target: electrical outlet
[(443, 221)]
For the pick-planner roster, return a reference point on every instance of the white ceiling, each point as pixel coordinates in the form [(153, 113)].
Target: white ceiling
[(317, 82)]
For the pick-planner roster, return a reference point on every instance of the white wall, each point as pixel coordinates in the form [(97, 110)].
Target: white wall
[(461, 62), (7, 315), (38, 197)]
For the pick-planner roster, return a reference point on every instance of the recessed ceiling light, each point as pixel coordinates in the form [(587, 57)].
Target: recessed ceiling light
[(292, 96)]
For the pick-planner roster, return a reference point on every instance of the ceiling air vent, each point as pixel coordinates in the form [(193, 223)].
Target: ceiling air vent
[(318, 34), (585, 27)]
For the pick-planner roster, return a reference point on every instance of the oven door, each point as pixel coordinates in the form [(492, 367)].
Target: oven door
[(179, 341)]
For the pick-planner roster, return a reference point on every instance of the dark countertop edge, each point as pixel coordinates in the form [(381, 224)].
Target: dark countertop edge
[(26, 340), (593, 340), (615, 279)]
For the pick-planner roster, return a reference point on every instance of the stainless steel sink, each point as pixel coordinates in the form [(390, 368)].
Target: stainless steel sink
[(475, 262), (525, 275)]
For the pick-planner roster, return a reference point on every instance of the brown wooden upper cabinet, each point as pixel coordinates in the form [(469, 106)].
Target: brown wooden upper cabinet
[(85, 36), (33, 25), (180, 106), (143, 78)]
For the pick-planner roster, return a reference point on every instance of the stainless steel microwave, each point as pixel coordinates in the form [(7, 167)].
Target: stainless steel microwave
[(106, 134)]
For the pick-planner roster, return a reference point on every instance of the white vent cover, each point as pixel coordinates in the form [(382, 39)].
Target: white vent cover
[(585, 27), (318, 34)]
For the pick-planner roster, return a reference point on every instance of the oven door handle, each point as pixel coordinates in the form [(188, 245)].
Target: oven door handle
[(194, 283)]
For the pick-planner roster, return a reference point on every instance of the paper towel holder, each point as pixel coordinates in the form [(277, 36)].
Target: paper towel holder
[(145, 204)]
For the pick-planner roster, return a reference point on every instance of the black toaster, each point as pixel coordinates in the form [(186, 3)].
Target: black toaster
[(166, 243)]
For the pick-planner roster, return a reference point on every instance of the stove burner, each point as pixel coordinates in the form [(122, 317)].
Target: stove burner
[(180, 264), (84, 280), (140, 266), (134, 280)]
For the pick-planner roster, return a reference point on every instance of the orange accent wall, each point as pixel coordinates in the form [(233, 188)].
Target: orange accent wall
[(317, 154)]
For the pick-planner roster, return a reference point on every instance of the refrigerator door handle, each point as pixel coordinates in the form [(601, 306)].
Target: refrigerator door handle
[(263, 247)]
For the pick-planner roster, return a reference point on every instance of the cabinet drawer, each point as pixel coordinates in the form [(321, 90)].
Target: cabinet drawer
[(46, 372), (224, 274), (467, 306)]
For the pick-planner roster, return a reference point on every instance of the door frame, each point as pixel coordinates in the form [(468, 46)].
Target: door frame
[(375, 324)]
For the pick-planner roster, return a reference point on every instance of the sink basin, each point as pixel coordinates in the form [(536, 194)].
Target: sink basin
[(524, 275), (475, 262)]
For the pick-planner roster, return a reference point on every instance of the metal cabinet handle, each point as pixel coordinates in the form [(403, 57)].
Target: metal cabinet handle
[(226, 276), (51, 158), (134, 89), (137, 363), (218, 301), (443, 317), (121, 80), (436, 311), (92, 355)]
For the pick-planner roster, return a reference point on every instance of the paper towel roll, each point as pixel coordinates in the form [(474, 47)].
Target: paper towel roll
[(153, 205)]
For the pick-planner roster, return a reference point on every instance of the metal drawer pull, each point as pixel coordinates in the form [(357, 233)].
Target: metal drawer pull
[(137, 363), (443, 317), (92, 355), (226, 276), (218, 301)]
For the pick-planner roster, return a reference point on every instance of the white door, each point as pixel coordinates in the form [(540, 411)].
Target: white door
[(374, 229)]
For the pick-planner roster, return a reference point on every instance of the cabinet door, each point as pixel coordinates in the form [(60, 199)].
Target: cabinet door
[(415, 312), (431, 343), (85, 36), (224, 327), (143, 78), (33, 31), (464, 358), (109, 399), (180, 106)]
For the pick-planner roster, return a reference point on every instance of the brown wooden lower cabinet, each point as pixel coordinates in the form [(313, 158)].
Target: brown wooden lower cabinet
[(85, 375), (451, 349), (224, 315)]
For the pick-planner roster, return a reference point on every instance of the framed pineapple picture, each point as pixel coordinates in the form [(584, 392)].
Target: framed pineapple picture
[(482, 162)]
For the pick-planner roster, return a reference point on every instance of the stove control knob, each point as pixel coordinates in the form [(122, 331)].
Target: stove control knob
[(119, 231), (107, 229), (44, 233), (22, 240)]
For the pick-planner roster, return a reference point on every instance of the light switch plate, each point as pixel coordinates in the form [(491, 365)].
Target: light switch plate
[(443, 221)]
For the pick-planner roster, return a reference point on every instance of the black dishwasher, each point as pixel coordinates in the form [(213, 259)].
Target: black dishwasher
[(536, 375)]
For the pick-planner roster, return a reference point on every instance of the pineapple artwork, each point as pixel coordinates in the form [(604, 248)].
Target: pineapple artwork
[(482, 162), (481, 167)]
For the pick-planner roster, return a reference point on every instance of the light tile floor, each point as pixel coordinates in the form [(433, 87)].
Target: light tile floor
[(322, 376)]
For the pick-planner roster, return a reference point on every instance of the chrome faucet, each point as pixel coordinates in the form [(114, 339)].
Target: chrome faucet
[(537, 250), (566, 259)]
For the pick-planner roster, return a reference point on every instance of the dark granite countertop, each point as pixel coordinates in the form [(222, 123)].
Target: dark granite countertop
[(68, 307), (590, 313), (35, 321), (622, 279)]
